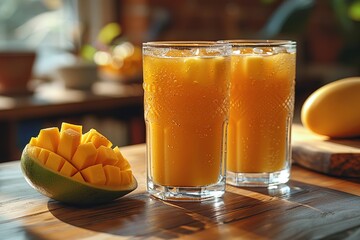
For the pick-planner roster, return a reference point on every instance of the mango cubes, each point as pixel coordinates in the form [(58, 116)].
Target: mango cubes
[(87, 157)]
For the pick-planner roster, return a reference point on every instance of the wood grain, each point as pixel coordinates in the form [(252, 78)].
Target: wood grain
[(337, 157), (310, 206)]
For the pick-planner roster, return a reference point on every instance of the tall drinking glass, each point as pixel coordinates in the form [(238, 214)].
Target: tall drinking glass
[(261, 112), (186, 96)]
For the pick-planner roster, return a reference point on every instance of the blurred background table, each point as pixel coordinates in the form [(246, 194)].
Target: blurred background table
[(116, 107)]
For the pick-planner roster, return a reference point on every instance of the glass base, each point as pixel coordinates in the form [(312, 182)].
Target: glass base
[(258, 179), (187, 194)]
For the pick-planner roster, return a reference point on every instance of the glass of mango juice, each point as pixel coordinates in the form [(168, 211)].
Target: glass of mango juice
[(186, 107), (261, 112)]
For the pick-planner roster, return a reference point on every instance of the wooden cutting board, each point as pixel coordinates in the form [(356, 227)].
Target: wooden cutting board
[(337, 157)]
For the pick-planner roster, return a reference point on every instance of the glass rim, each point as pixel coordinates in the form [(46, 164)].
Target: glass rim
[(186, 44), (259, 42)]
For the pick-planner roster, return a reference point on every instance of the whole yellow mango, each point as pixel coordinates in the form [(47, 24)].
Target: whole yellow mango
[(334, 109)]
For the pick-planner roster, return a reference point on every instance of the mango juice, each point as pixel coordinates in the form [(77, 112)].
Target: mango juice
[(261, 110), (186, 112)]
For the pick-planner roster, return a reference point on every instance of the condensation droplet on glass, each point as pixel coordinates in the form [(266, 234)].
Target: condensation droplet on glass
[(258, 51), (195, 51), (236, 52)]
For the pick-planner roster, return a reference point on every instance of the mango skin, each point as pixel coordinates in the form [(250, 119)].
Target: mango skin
[(333, 110)]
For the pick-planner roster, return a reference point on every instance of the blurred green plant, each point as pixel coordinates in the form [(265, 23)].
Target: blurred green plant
[(105, 40), (108, 33), (354, 11)]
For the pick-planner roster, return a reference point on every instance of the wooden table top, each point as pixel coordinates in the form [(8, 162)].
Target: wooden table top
[(310, 206)]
